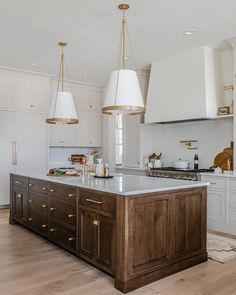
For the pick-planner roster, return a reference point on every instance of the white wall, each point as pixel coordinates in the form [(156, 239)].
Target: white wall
[(213, 136)]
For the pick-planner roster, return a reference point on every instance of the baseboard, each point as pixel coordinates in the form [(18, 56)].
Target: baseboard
[(4, 207)]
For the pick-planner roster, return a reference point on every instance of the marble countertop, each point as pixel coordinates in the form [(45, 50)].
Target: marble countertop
[(123, 184), (231, 174)]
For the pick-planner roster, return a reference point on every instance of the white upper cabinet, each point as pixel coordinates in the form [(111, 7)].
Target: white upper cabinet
[(62, 135), (89, 98), (22, 93), (39, 96), (6, 95), (186, 86)]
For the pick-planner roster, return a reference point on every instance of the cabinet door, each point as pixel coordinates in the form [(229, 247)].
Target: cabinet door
[(62, 135), (87, 233), (189, 224), (216, 208), (20, 205), (22, 93), (88, 99), (6, 141), (105, 242), (39, 92), (30, 135), (6, 93)]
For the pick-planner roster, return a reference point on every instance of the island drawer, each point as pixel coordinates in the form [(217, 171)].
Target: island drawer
[(63, 192), (62, 211), (98, 201), (20, 181), (38, 204), (38, 223), (39, 186), (62, 236)]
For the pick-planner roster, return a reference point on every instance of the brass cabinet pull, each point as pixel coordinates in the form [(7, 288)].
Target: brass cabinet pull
[(95, 222), (30, 218), (52, 190), (30, 184), (44, 188), (71, 215), (19, 195), (44, 206), (71, 239), (71, 195), (30, 201), (18, 182), (44, 225), (52, 229), (52, 209), (93, 201)]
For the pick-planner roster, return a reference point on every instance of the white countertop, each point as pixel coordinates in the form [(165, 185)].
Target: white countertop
[(231, 174), (123, 184)]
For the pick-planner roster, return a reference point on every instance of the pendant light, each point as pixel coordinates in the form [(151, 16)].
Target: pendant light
[(123, 94), (63, 109)]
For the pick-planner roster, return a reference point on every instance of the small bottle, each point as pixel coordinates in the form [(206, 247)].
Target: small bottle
[(106, 170), (99, 169), (195, 162)]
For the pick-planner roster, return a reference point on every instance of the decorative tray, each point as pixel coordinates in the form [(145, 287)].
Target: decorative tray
[(110, 176)]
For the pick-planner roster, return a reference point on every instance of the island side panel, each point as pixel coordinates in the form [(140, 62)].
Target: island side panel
[(154, 241)]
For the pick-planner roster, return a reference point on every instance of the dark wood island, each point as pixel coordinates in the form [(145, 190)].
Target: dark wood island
[(136, 235)]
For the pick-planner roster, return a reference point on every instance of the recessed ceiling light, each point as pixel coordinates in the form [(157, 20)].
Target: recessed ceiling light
[(85, 74), (187, 33), (126, 57), (33, 64)]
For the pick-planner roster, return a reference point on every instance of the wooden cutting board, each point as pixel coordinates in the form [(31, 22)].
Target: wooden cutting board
[(222, 158)]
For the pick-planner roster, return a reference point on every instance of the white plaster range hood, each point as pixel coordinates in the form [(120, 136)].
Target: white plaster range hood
[(185, 87)]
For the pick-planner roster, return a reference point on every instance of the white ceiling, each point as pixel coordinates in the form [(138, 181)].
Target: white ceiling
[(31, 29)]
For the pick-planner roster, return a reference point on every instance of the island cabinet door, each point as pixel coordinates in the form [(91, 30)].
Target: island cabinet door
[(150, 233), (190, 224), (20, 205)]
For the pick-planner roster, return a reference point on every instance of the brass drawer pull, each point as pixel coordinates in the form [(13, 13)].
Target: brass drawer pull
[(93, 201), (95, 222), (44, 206), (18, 182), (30, 201), (71, 239), (30, 184), (52, 190), (44, 188), (52, 229), (44, 225), (71, 195), (52, 209), (71, 215), (19, 195), (30, 218)]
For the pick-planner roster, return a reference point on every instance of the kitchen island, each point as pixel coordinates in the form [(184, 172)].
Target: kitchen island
[(136, 228)]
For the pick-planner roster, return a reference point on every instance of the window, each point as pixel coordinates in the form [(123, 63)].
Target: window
[(119, 140)]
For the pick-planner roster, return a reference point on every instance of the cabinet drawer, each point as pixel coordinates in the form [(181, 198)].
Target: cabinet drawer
[(63, 211), (97, 201), (38, 204), (232, 185), (62, 236), (39, 186), (63, 192), (20, 181), (38, 223), (215, 182)]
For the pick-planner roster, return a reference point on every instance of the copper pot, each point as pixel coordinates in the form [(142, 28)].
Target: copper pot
[(77, 159)]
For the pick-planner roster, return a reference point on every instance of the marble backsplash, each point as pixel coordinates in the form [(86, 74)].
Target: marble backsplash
[(212, 137)]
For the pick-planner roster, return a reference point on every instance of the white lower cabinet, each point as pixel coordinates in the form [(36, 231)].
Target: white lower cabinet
[(221, 203)]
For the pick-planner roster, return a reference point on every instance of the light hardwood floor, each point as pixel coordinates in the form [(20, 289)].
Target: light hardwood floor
[(29, 265)]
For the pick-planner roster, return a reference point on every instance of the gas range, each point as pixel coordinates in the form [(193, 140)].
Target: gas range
[(170, 172)]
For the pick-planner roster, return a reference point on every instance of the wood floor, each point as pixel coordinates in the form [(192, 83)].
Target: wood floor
[(29, 265)]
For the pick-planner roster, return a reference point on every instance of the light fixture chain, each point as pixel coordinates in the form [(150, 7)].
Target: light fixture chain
[(130, 45), (67, 71)]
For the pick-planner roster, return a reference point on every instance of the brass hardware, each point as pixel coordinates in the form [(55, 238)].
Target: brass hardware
[(18, 182), (30, 184), (52, 229), (52, 190), (30, 201), (14, 153), (44, 225), (95, 222), (44, 188), (44, 206), (19, 195), (191, 144), (52, 209), (71, 239), (30, 218), (71, 195), (123, 6), (229, 87), (71, 215), (93, 201)]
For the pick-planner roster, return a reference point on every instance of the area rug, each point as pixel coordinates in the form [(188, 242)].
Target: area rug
[(220, 248)]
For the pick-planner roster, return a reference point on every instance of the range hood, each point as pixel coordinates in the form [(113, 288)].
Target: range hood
[(185, 87)]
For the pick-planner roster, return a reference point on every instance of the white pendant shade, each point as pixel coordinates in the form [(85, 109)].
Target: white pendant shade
[(123, 94), (63, 110)]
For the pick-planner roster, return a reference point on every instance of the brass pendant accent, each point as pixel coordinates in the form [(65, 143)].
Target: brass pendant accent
[(62, 121), (61, 43), (123, 6), (136, 110)]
